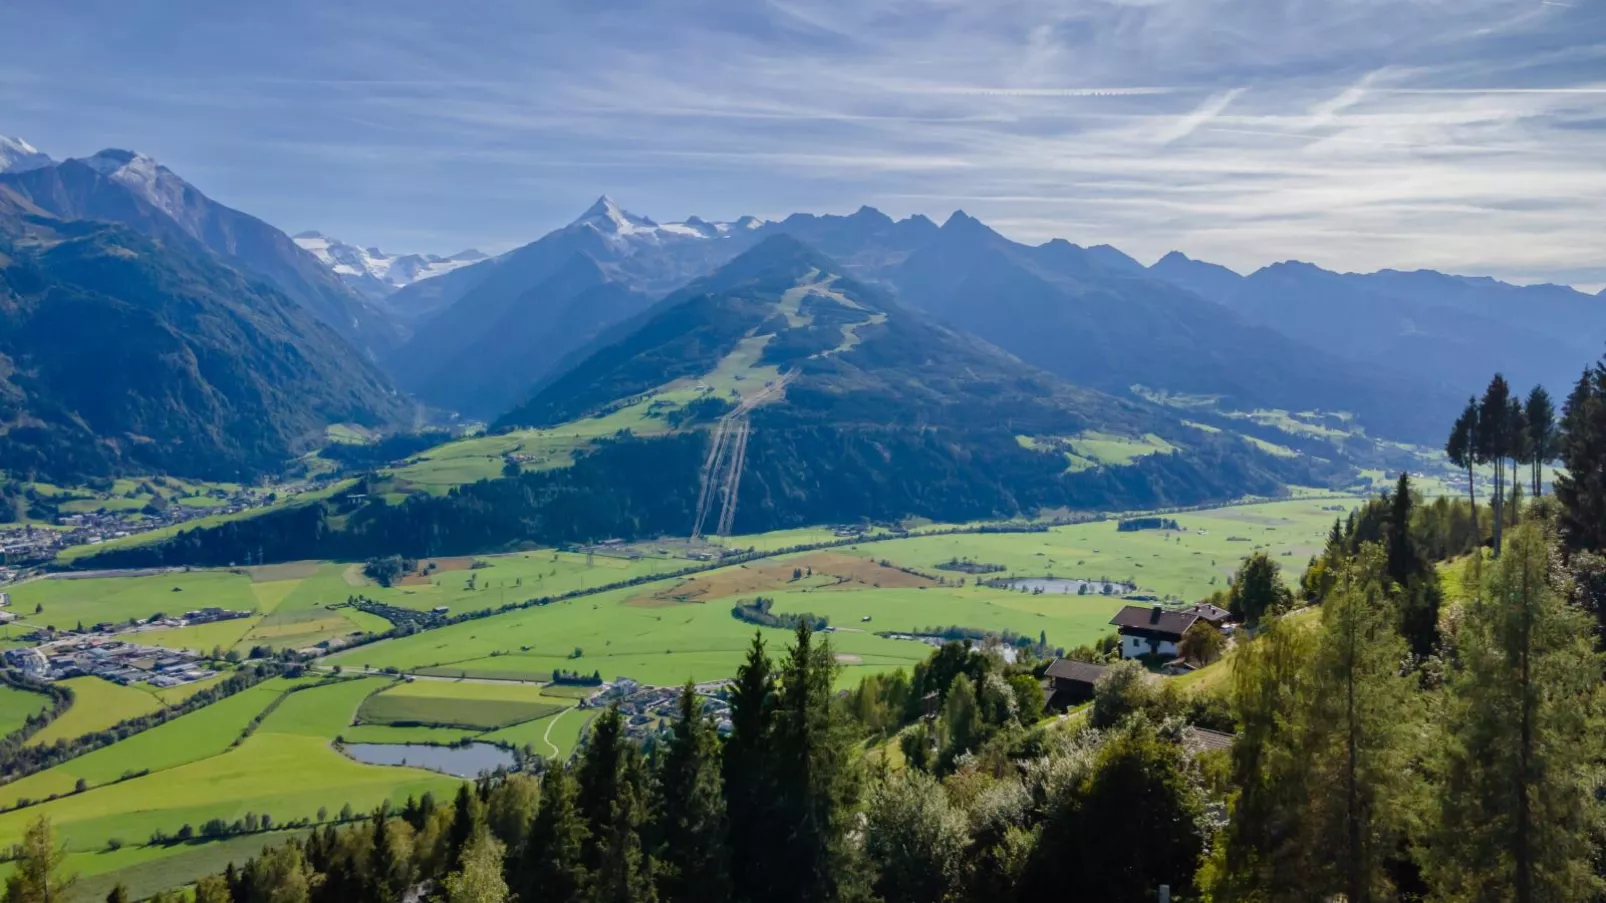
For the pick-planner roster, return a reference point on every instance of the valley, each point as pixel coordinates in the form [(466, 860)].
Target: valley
[(295, 531), (497, 671)]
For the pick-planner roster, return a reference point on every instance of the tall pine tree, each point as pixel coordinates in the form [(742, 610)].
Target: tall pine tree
[(1462, 450), (1495, 444), (816, 785), (1582, 489), (551, 868), (750, 777), (693, 866), (1540, 417)]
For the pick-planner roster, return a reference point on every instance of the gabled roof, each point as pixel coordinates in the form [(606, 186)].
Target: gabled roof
[(1215, 614), (1206, 739), (1081, 672), (1155, 619)]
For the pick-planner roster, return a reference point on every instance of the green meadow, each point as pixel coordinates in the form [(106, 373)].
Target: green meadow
[(97, 705), (15, 707), (287, 769), (1186, 565), (481, 678)]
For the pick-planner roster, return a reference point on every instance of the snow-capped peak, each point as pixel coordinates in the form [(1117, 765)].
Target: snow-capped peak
[(143, 176), (607, 217), (17, 155), (375, 272), (616, 223)]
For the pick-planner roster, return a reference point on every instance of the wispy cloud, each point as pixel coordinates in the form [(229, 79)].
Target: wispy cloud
[(1357, 133)]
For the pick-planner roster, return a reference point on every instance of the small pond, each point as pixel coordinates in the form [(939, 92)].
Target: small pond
[(459, 761), (1066, 586)]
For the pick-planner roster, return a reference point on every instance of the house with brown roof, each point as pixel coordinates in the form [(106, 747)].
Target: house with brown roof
[(1153, 630), (1071, 682)]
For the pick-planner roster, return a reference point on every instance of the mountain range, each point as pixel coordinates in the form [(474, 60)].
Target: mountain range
[(124, 353), (375, 274), (490, 337), (134, 190), (779, 391)]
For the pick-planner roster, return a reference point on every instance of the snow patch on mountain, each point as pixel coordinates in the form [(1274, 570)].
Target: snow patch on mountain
[(620, 226), (17, 155), (371, 269)]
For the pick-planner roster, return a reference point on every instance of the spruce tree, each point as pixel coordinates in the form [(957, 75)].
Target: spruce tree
[(1581, 490), (598, 777), (1517, 807), (750, 776), (815, 787), (692, 861), (624, 870), (467, 819), (551, 868), (1411, 572), (1495, 444), (1462, 450), (1540, 414)]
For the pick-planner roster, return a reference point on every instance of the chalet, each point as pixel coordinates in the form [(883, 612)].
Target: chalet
[(1152, 630), (1071, 682)]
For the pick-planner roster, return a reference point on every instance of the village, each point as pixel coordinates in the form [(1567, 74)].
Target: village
[(114, 660)]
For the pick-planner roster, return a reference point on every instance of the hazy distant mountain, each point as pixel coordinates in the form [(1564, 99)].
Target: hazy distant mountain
[(876, 410), (119, 352), (376, 274), (488, 331), (1433, 328), (124, 187), (17, 155), (1096, 317)]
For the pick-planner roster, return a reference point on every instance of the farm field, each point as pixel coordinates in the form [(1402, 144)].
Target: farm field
[(15, 707), (287, 769), (1186, 565), (197, 735), (97, 705), (468, 705)]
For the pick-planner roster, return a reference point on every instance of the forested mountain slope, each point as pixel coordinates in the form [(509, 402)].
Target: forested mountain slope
[(838, 405), (123, 187), (120, 352)]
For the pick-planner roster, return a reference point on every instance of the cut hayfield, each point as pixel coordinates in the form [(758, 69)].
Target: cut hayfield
[(421, 577), (473, 714), (830, 570), (289, 570)]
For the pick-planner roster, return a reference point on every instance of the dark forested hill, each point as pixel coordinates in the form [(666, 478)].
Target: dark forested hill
[(121, 352), (123, 187)]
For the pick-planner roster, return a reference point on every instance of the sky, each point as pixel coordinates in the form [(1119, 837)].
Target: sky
[(1461, 135)]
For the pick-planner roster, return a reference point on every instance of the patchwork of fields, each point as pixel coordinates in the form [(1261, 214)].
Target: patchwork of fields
[(482, 679)]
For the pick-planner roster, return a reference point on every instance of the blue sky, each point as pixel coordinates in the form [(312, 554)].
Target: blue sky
[(1466, 135)]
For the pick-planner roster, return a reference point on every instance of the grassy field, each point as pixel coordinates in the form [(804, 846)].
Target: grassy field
[(459, 704), (146, 870), (661, 632), (97, 705), (197, 735), (1188, 565), (15, 707), (287, 769)]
